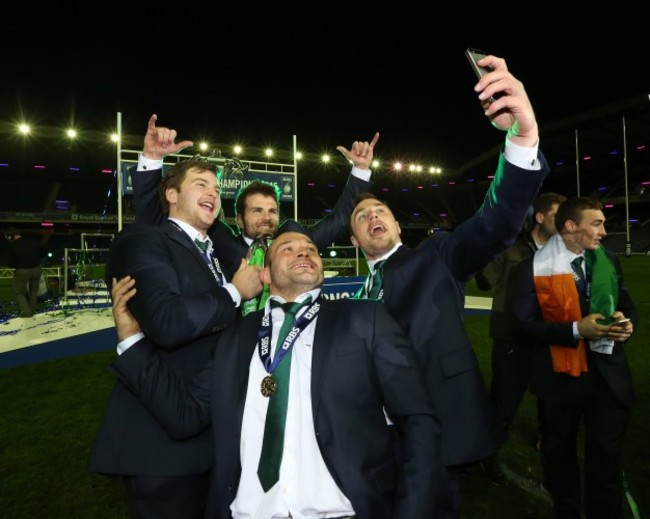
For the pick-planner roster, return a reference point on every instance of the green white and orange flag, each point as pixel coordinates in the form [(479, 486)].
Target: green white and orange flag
[(559, 300)]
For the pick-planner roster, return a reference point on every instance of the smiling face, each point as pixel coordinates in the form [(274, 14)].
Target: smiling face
[(293, 266), (197, 200), (260, 216), (374, 228)]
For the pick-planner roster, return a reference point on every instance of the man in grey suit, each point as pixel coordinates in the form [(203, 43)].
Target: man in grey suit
[(349, 364)]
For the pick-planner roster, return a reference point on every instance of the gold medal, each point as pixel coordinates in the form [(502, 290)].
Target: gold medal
[(268, 385)]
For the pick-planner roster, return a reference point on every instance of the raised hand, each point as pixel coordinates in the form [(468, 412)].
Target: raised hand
[(361, 153), (160, 141), (512, 112)]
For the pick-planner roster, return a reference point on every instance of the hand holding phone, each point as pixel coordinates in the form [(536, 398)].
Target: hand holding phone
[(474, 56), (620, 321)]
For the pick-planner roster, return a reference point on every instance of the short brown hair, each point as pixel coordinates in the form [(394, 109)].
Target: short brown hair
[(544, 202), (256, 187), (365, 195), (175, 175), (572, 209)]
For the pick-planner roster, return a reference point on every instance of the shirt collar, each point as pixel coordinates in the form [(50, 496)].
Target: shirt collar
[(372, 263), (192, 232), (313, 293)]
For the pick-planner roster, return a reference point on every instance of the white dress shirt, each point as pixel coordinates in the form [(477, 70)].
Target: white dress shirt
[(305, 488)]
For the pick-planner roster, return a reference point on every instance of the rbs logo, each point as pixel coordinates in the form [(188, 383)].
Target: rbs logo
[(337, 295)]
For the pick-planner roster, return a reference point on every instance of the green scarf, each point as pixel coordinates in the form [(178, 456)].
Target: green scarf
[(603, 292)]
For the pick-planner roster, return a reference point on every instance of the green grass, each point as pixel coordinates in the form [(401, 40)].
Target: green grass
[(51, 410)]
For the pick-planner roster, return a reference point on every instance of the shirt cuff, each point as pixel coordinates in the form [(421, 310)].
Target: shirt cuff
[(145, 164), (363, 174), (522, 156), (234, 293), (576, 335), (124, 345)]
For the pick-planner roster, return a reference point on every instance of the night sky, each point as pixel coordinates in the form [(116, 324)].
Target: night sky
[(259, 87), (329, 87)]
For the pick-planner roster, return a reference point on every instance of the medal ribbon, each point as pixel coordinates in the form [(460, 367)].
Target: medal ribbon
[(264, 336)]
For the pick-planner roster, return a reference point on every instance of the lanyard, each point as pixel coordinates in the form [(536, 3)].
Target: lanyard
[(264, 336)]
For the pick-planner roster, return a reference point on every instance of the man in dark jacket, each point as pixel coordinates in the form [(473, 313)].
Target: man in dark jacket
[(570, 304)]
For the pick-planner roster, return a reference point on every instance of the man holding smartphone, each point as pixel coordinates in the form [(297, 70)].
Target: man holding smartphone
[(424, 288), (570, 304)]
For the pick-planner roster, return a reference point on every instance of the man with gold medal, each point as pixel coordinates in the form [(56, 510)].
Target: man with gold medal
[(297, 395)]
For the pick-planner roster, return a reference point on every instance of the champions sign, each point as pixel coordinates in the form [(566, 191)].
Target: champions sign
[(231, 181)]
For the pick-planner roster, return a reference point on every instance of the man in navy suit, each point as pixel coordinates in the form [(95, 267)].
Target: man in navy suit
[(184, 301), (423, 288), (257, 208), (350, 365), (186, 296), (567, 315)]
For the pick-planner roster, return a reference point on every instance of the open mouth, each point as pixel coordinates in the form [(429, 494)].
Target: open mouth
[(208, 206), (376, 229)]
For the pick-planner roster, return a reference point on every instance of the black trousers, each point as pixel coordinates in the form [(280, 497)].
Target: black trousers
[(448, 499), (167, 497), (512, 367), (605, 423)]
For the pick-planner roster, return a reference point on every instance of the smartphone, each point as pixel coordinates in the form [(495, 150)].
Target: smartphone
[(475, 55), (620, 322)]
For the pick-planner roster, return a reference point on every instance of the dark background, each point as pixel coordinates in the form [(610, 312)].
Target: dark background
[(236, 83)]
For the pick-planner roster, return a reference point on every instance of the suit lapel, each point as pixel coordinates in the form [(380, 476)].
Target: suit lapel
[(178, 235), (322, 349), (391, 266)]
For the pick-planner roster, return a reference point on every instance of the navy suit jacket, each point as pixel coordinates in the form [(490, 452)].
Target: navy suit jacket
[(181, 309), (362, 362), (531, 329), (323, 233), (424, 288)]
